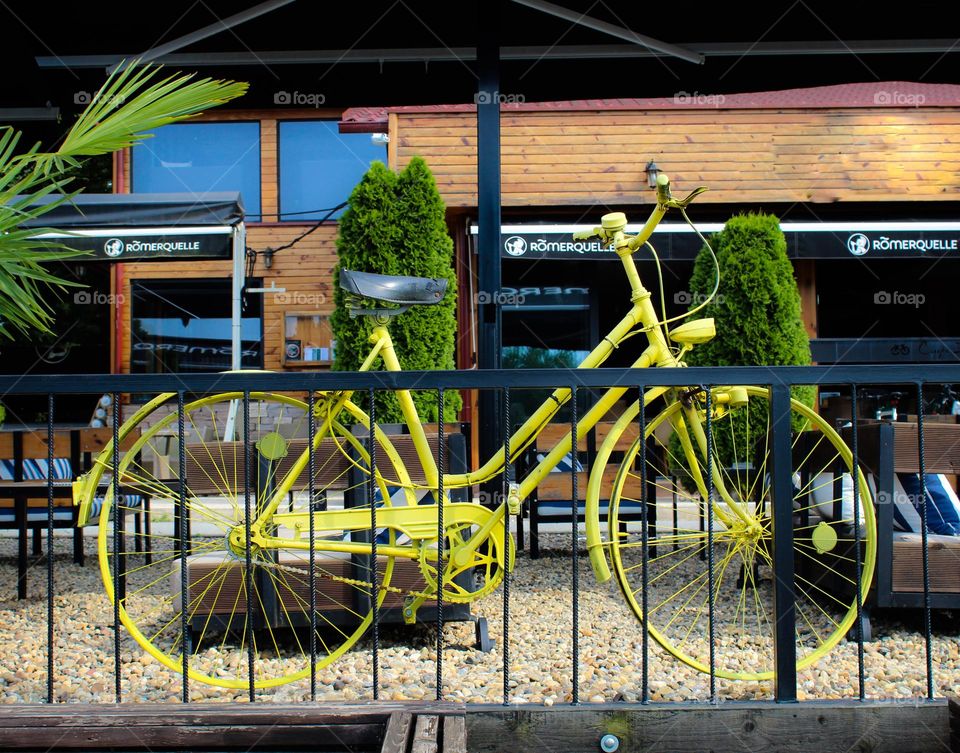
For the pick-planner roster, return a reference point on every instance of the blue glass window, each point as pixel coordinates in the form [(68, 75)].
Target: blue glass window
[(319, 166), (196, 158)]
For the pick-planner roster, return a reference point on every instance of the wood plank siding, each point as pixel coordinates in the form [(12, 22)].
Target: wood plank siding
[(744, 157), (305, 270)]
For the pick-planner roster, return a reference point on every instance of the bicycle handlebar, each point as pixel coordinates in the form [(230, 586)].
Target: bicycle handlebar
[(614, 223)]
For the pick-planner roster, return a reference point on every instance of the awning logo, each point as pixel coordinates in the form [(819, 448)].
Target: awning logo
[(858, 244), (113, 247), (515, 245)]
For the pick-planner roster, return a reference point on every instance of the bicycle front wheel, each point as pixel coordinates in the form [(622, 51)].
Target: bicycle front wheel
[(675, 571), (237, 624)]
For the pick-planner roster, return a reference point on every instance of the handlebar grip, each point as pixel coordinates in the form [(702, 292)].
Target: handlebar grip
[(584, 235), (663, 189)]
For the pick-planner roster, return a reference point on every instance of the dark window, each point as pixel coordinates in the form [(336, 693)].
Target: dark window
[(887, 298), (319, 166), (184, 326), (197, 158)]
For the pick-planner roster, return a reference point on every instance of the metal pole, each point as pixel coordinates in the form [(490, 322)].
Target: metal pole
[(785, 647), (236, 319), (488, 210), (239, 279)]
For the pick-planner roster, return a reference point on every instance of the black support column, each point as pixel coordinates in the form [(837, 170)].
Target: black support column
[(488, 207), (785, 645)]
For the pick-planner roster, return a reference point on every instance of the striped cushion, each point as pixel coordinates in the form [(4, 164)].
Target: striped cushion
[(561, 508), (565, 465), (943, 507), (35, 469), (65, 512), (37, 515)]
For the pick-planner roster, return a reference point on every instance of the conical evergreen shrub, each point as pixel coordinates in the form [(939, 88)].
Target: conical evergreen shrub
[(396, 225), (757, 313)]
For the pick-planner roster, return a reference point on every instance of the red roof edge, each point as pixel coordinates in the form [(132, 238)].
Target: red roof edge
[(897, 95), (364, 120)]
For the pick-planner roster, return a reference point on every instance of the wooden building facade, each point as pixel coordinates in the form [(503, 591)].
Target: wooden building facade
[(865, 153)]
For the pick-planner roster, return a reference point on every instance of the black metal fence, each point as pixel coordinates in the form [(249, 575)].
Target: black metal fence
[(780, 557)]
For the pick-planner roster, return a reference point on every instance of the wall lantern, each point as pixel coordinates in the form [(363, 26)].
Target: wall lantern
[(653, 172)]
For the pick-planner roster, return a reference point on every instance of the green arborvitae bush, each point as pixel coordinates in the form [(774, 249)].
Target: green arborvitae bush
[(425, 336), (757, 310), (396, 225)]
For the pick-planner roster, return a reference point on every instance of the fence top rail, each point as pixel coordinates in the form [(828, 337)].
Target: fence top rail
[(482, 379)]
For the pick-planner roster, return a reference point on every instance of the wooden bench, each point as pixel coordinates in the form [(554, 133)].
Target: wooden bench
[(552, 500), (334, 473), (24, 501), (886, 449)]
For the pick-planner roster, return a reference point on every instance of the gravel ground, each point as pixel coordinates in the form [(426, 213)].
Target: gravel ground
[(540, 645)]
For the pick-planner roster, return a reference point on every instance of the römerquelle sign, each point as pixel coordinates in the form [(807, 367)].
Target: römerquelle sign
[(130, 245), (805, 240)]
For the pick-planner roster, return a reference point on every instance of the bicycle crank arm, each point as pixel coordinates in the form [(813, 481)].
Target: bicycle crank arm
[(463, 553)]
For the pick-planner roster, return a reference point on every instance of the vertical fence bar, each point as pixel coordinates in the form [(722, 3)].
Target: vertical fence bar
[(785, 647), (248, 572), (441, 543), (50, 453), (924, 539), (118, 555), (575, 551), (855, 470), (312, 577), (506, 543), (374, 579), (711, 592), (184, 584), (644, 550)]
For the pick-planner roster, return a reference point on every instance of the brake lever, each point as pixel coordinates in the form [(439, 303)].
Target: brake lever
[(585, 235), (685, 202)]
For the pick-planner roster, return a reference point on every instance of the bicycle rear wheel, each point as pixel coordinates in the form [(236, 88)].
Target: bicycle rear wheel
[(277, 630), (824, 553)]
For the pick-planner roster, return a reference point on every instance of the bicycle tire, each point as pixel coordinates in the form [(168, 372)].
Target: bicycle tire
[(676, 565), (150, 608)]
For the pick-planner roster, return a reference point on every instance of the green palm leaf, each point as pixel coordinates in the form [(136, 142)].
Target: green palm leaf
[(131, 102)]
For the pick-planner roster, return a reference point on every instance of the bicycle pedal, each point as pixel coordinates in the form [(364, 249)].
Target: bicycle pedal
[(409, 611)]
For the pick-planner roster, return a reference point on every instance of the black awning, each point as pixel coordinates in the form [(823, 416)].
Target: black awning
[(156, 227), (140, 210)]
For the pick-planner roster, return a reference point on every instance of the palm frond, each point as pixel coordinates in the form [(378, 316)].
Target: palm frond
[(131, 103)]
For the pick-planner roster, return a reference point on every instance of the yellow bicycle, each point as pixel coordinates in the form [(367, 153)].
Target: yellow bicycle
[(260, 545)]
